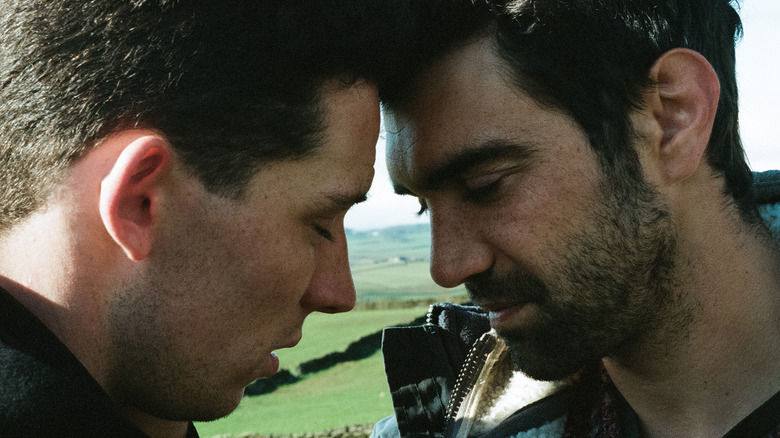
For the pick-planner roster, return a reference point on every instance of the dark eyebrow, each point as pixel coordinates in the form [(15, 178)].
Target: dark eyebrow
[(468, 159)]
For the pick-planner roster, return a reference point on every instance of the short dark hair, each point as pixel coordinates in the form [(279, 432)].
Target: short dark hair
[(231, 84), (591, 59)]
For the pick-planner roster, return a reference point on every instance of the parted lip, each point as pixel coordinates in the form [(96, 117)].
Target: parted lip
[(499, 305)]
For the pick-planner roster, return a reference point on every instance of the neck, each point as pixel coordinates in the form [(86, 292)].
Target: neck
[(39, 267), (725, 365)]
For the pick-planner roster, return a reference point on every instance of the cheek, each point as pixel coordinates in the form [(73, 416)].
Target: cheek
[(269, 267), (237, 274), (535, 226)]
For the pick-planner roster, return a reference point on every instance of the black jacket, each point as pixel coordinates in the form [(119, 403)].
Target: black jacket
[(44, 390)]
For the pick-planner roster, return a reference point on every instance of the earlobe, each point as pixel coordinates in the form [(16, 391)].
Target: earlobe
[(685, 101), (128, 194)]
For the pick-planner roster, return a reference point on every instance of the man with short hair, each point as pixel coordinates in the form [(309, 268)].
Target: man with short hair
[(581, 165), (175, 178)]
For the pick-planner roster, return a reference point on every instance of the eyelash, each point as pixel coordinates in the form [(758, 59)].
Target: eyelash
[(423, 207), (475, 195), (325, 233), (482, 193)]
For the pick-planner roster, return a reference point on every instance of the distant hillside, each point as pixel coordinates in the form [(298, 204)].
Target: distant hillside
[(405, 242), (391, 264)]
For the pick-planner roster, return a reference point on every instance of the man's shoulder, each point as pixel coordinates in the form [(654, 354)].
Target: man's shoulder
[(45, 389), (37, 398), (767, 194), (767, 186)]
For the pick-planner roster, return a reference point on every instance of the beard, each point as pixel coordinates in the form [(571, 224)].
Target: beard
[(608, 290)]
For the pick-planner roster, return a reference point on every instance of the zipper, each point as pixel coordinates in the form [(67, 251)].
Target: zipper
[(467, 395), (469, 373), (484, 376)]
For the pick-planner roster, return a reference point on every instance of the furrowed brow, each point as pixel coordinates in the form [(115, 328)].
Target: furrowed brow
[(472, 158)]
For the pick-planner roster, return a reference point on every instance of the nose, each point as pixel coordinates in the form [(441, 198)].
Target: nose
[(457, 248), (331, 289)]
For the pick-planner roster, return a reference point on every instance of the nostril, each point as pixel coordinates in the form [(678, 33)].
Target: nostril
[(331, 309)]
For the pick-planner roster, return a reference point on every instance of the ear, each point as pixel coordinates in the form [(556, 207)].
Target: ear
[(683, 104), (128, 194)]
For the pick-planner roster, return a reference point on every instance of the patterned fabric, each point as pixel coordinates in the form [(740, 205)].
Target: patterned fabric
[(603, 413), (595, 415)]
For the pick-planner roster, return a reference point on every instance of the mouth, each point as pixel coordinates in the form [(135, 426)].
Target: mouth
[(504, 315), (271, 366)]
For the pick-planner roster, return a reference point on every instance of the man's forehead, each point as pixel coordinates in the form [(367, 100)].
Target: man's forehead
[(399, 146), (396, 131), (416, 143), (460, 104), (442, 94)]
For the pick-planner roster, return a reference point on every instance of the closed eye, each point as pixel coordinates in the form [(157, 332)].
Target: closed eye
[(477, 195), (325, 233), (331, 211), (483, 193), (423, 207)]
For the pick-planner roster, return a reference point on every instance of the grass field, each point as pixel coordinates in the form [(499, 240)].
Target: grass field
[(348, 393), (400, 281), (323, 333), (391, 264)]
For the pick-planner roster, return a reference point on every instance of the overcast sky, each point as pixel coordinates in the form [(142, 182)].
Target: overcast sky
[(758, 71)]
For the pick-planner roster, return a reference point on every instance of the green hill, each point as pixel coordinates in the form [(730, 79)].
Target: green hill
[(410, 242), (391, 264)]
